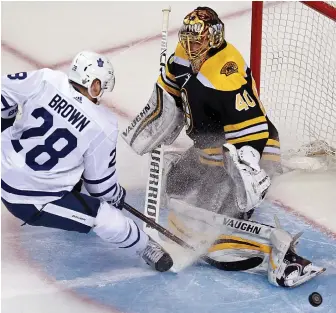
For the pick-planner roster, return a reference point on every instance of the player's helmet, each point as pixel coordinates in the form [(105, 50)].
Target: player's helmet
[(88, 66), (201, 31)]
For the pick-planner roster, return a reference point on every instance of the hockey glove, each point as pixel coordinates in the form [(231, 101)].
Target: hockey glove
[(255, 180)]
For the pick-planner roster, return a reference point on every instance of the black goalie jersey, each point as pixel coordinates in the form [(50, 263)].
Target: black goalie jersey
[(220, 102)]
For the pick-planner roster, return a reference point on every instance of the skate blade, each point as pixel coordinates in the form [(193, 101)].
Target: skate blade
[(310, 278)]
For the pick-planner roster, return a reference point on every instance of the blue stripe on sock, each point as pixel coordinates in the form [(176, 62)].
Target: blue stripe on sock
[(136, 241), (99, 194)]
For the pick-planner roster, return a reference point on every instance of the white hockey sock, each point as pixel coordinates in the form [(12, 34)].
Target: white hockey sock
[(112, 226)]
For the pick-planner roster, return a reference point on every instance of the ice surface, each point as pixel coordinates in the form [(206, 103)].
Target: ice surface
[(46, 270), (91, 269)]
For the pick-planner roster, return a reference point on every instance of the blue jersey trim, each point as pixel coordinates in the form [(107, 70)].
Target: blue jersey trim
[(31, 193), (5, 103), (16, 145), (98, 181)]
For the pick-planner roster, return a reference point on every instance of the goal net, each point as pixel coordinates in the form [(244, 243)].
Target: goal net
[(293, 60)]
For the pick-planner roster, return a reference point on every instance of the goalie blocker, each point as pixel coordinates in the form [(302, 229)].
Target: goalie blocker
[(159, 122)]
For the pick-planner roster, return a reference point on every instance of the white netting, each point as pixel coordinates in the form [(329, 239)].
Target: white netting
[(298, 82), (332, 3)]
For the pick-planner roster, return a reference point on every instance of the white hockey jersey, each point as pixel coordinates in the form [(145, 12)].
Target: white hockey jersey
[(61, 137)]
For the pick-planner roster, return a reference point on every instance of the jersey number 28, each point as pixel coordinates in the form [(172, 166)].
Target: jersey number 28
[(32, 156)]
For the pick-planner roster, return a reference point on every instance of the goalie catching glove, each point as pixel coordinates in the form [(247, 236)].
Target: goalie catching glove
[(252, 182), (159, 122)]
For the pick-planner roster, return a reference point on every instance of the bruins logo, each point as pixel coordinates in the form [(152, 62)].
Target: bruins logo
[(229, 68)]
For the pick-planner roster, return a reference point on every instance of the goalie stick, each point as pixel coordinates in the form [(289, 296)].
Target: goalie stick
[(153, 195), (181, 258), (153, 190)]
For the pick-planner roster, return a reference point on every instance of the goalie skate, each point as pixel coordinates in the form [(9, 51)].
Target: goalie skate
[(286, 267), (298, 270), (156, 257)]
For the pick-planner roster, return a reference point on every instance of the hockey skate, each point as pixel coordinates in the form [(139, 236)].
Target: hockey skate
[(156, 257), (287, 268)]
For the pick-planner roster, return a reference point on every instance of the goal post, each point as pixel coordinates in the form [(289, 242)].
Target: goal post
[(325, 8), (256, 40), (293, 61)]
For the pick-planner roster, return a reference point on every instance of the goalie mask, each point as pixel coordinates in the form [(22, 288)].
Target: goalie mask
[(201, 31)]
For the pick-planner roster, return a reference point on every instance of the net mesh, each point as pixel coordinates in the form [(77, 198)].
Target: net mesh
[(298, 82)]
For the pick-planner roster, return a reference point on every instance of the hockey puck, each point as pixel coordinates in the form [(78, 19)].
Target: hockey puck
[(315, 299)]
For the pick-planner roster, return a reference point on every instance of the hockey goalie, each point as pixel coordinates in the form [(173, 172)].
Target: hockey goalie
[(207, 87)]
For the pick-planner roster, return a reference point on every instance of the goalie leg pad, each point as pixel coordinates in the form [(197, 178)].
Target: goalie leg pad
[(170, 158), (160, 122), (235, 251)]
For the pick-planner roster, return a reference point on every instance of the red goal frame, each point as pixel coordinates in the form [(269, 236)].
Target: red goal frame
[(256, 31)]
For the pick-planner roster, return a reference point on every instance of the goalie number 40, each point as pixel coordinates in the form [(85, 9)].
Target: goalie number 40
[(244, 102)]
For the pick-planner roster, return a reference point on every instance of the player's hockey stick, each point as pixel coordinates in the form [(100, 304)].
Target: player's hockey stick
[(156, 226), (153, 191), (228, 266)]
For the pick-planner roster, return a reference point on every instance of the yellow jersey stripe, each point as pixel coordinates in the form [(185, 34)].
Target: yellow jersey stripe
[(217, 150), (238, 126), (218, 79), (169, 75), (169, 89), (253, 137), (247, 131), (272, 142), (211, 162)]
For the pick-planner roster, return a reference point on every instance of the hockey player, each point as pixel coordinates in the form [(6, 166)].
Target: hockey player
[(208, 82), (65, 135)]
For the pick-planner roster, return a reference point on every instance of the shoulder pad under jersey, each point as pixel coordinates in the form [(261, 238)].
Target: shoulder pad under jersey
[(225, 71)]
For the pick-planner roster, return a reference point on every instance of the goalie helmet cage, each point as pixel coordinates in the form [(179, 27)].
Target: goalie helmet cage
[(293, 61)]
